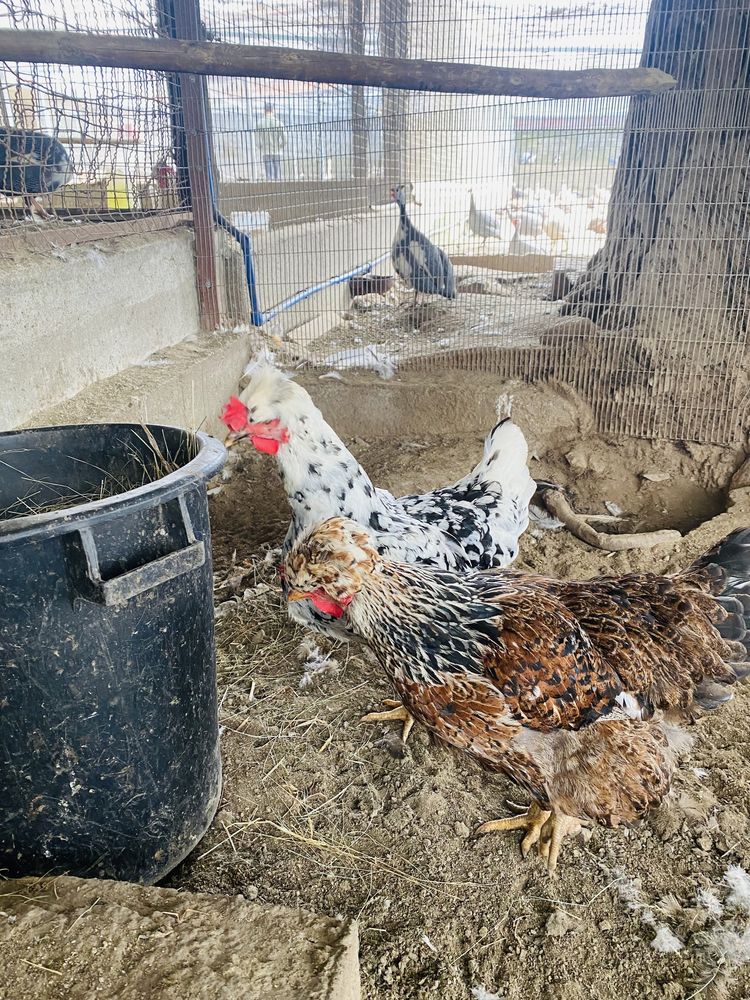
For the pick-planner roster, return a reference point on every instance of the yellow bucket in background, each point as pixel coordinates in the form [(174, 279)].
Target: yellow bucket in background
[(118, 193)]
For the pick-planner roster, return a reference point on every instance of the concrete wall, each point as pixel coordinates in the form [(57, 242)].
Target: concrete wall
[(89, 312), (185, 385)]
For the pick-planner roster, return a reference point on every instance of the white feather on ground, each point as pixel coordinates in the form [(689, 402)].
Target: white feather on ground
[(738, 881), (665, 941), (480, 993), (369, 357), (315, 664), (710, 902)]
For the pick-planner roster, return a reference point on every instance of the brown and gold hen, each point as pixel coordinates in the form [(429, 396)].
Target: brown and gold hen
[(571, 689)]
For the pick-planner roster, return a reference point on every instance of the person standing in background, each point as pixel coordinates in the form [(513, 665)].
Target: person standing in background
[(271, 143)]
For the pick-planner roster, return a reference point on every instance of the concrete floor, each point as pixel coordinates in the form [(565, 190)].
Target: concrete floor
[(76, 938)]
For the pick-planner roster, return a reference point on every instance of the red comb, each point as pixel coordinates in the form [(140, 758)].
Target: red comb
[(234, 414)]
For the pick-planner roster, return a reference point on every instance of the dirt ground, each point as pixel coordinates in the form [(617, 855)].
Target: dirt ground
[(323, 812), (490, 311)]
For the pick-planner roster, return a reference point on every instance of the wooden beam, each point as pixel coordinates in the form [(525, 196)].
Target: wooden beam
[(394, 45), (194, 108), (530, 263), (272, 62), (165, 25)]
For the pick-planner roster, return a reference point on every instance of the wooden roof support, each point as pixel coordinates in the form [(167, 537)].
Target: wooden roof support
[(272, 62)]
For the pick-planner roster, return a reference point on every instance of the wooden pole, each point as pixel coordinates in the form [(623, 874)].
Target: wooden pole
[(272, 62), (194, 100), (359, 107), (394, 16), (165, 20)]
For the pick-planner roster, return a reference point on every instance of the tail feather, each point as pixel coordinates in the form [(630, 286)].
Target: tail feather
[(732, 556), (727, 566), (505, 462), (503, 408), (710, 694)]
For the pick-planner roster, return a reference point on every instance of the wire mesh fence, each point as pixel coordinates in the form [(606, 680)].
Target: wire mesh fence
[(602, 242), (113, 125)]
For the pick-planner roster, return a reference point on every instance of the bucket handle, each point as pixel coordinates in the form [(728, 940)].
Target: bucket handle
[(120, 589)]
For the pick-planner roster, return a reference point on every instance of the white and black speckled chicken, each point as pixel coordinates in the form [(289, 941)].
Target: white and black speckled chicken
[(473, 524), (423, 266), (32, 164), (573, 689)]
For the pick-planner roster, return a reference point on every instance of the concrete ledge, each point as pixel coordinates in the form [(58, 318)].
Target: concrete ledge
[(439, 403), (85, 313), (185, 385), (78, 938)]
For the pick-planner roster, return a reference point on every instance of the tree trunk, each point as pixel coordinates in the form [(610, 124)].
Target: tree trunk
[(676, 263)]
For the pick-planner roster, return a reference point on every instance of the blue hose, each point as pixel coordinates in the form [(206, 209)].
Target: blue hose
[(321, 286), (256, 313)]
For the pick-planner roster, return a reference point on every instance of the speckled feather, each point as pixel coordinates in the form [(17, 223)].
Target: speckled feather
[(473, 524), (560, 685)]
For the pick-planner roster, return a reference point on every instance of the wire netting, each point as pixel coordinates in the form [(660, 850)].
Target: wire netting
[(115, 125), (604, 243)]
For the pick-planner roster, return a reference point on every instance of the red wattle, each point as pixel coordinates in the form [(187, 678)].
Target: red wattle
[(326, 604), (266, 445)]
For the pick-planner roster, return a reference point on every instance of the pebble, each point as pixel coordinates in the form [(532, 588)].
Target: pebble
[(705, 841), (461, 830), (560, 923)]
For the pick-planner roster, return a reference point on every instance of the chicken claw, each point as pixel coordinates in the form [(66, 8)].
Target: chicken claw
[(397, 714), (546, 829), (531, 821), (555, 830)]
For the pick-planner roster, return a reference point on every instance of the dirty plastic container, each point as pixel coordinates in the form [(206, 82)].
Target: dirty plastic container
[(109, 750)]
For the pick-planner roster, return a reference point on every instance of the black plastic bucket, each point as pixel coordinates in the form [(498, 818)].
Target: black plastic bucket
[(109, 749)]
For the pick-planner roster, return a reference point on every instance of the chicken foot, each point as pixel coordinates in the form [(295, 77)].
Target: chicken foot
[(555, 830), (36, 209), (397, 713), (544, 828), (532, 821)]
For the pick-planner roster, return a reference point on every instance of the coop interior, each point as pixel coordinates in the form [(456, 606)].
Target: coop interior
[(160, 230)]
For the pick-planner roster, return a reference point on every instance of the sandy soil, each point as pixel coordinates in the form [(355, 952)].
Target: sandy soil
[(323, 812)]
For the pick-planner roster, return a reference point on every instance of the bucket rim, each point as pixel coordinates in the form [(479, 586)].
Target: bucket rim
[(209, 459)]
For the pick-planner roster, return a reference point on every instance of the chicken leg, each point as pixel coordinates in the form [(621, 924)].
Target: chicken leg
[(545, 829), (36, 209), (398, 713), (532, 821), (555, 830)]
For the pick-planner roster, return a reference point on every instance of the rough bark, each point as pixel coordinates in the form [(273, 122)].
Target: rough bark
[(677, 257), (73, 48)]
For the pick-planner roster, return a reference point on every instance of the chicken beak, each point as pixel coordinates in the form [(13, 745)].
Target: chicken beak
[(296, 595), (234, 439)]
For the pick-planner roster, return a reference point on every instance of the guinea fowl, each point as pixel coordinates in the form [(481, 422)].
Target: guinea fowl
[(32, 164), (488, 224), (422, 265), (473, 524), (571, 689)]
